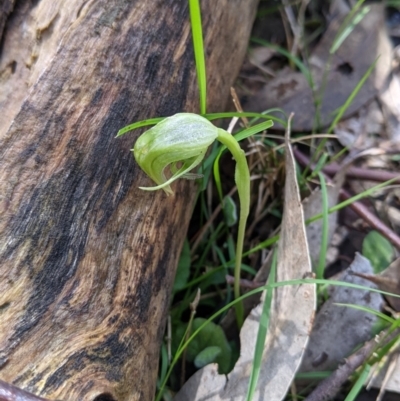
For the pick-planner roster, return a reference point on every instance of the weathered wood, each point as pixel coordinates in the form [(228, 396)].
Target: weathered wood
[(6, 7), (87, 260)]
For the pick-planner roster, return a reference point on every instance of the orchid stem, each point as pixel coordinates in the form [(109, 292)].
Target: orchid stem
[(242, 179)]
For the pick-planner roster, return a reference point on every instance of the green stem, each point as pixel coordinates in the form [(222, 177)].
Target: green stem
[(242, 179)]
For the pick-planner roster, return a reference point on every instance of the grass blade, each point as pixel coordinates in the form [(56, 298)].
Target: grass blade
[(268, 286), (197, 34), (358, 384), (368, 310), (325, 228), (270, 241), (350, 99), (351, 20), (262, 334), (295, 60), (139, 124)]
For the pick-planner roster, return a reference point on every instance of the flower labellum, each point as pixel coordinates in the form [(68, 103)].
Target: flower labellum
[(180, 142)]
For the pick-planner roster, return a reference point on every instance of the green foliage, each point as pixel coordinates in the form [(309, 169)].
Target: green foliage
[(183, 269), (205, 342), (210, 345), (355, 16), (230, 211), (262, 334), (358, 385), (325, 228), (198, 46), (378, 250), (207, 356)]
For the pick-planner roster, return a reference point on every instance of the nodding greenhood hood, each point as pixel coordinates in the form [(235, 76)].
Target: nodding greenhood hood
[(180, 142)]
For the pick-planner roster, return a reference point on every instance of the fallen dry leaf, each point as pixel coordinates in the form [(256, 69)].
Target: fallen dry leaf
[(389, 99), (388, 378), (290, 323), (388, 280), (290, 90), (338, 329), (313, 206)]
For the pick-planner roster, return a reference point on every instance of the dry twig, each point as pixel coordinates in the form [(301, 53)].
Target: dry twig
[(358, 207), (329, 387)]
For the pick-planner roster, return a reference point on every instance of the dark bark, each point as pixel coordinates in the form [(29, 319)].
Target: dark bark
[(87, 260)]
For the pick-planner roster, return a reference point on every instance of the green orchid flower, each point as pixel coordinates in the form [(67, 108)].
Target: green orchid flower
[(179, 142)]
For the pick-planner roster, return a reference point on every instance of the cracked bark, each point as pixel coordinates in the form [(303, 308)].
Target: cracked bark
[(87, 260)]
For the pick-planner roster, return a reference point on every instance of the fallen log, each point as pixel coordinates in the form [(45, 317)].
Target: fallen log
[(87, 260)]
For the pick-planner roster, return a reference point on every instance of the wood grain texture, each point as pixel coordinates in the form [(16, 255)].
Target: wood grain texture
[(6, 7), (87, 260)]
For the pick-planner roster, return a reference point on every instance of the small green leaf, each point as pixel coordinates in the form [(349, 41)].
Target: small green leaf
[(183, 270), (206, 356), (211, 335), (378, 250), (230, 211)]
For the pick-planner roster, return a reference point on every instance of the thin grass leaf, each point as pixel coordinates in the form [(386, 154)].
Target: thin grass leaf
[(164, 363), (210, 117), (270, 241), (231, 247), (325, 228), (197, 34), (253, 130), (341, 110), (207, 166), (264, 115), (320, 165), (386, 349), (262, 334), (350, 99), (313, 375), (368, 310), (342, 36), (262, 245), (358, 384), (339, 154), (268, 286), (139, 124), (299, 64), (217, 174), (217, 270), (354, 198), (345, 24)]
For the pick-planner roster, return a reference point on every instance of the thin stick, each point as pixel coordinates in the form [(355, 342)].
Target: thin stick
[(363, 173), (359, 208), (372, 220), (247, 284), (329, 387)]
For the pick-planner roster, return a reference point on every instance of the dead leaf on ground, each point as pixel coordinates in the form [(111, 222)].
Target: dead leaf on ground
[(338, 329), (388, 378), (388, 280), (290, 90), (312, 207), (364, 130), (389, 100), (377, 120), (291, 319)]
